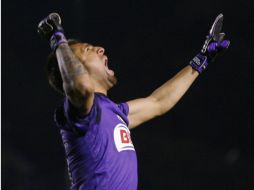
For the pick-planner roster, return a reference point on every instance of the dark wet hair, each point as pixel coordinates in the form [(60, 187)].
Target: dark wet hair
[(53, 72)]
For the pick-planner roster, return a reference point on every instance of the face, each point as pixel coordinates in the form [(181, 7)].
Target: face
[(96, 63)]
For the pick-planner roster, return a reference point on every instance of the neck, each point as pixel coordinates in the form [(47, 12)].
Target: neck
[(98, 87), (101, 90)]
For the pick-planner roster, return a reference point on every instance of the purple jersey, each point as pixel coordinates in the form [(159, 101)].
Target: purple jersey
[(99, 151)]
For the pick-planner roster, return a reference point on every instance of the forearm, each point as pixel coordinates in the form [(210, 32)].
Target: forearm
[(166, 96), (72, 70), (171, 92), (69, 65), (77, 84)]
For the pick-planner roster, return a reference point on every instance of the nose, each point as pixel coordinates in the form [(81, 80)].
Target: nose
[(100, 50)]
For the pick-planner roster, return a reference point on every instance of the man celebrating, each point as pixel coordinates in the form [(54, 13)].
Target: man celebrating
[(94, 129)]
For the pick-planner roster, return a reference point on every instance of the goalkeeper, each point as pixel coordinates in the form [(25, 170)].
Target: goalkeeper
[(95, 130)]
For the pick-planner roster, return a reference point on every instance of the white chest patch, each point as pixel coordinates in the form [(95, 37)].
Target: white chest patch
[(122, 138)]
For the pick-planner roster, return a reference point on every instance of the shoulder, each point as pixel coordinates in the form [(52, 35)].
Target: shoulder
[(68, 117)]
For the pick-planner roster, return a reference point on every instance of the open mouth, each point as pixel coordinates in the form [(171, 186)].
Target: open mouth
[(106, 62), (109, 71)]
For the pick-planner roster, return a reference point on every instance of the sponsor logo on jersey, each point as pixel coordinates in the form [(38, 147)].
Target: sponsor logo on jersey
[(122, 138)]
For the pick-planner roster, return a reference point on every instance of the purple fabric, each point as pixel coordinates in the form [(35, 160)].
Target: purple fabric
[(199, 63), (98, 147), (57, 39), (214, 47), (225, 44)]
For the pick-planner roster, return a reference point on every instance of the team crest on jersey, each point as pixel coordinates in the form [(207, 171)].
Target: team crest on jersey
[(122, 138)]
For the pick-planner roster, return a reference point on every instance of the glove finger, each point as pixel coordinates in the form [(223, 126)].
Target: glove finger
[(221, 36), (55, 18), (44, 28), (216, 27), (224, 44), (212, 47)]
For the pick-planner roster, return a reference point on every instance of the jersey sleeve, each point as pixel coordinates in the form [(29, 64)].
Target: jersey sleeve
[(124, 108), (68, 117)]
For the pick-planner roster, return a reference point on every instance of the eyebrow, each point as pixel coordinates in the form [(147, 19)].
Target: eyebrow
[(87, 44)]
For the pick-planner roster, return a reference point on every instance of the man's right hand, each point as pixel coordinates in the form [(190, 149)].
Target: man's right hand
[(51, 29)]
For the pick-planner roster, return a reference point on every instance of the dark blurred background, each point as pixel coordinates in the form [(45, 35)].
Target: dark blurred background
[(205, 142)]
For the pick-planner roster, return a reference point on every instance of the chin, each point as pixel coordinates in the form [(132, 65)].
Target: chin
[(112, 81)]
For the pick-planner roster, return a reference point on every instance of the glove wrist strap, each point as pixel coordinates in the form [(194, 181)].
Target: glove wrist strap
[(199, 63), (56, 39)]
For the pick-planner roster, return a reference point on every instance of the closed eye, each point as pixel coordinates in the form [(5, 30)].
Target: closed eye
[(88, 48)]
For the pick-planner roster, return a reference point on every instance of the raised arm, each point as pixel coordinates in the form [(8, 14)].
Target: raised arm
[(162, 99), (73, 73), (80, 93), (166, 96)]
